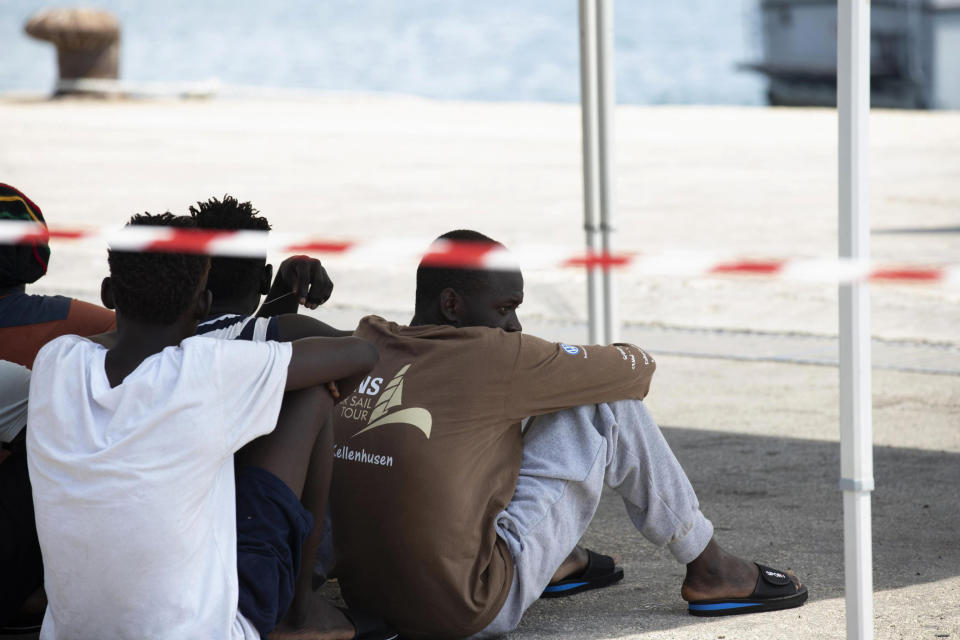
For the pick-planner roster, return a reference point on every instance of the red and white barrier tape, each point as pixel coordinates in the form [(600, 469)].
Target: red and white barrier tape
[(468, 255)]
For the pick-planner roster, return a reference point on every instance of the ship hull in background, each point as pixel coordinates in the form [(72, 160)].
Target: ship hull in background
[(915, 53)]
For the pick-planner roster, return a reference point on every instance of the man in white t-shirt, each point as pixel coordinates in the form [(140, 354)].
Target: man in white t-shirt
[(147, 528)]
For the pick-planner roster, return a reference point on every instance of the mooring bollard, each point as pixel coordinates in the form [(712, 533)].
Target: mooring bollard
[(87, 42)]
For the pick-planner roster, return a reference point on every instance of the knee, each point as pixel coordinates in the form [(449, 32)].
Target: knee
[(628, 410)]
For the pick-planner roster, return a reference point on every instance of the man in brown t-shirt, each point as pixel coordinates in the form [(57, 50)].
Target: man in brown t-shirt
[(449, 521)]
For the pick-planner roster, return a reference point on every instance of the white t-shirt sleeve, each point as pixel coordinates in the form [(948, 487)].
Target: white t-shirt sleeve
[(250, 381)]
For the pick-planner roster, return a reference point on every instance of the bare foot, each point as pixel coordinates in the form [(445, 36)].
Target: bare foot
[(716, 574), (318, 620)]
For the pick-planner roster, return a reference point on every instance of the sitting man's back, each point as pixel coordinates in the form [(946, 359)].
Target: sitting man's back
[(133, 479), (134, 487), (148, 530)]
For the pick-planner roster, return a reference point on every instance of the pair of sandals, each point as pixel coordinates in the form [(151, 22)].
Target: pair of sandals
[(774, 590)]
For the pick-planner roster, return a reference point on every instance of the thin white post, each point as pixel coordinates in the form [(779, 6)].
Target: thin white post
[(606, 92), (591, 169), (856, 437)]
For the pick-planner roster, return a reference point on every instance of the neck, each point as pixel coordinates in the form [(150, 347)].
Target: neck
[(239, 306), (136, 341), (421, 318)]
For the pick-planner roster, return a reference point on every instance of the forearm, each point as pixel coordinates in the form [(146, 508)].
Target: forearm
[(292, 327), (316, 361)]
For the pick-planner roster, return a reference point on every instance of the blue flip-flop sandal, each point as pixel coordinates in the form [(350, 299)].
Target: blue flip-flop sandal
[(599, 572), (774, 591)]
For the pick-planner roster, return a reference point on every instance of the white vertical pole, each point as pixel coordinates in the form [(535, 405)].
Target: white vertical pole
[(856, 453), (606, 92), (591, 169)]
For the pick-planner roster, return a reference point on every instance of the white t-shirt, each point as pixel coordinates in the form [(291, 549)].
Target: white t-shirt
[(134, 485)]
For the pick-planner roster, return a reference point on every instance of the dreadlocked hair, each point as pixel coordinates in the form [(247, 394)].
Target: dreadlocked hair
[(156, 287), (431, 281), (231, 278)]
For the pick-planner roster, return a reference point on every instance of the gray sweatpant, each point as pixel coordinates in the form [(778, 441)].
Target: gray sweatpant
[(567, 458)]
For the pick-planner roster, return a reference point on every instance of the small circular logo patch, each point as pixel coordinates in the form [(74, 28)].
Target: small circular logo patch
[(775, 577), (569, 348)]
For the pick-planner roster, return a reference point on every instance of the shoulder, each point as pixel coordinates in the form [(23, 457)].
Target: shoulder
[(379, 331), (211, 347), (202, 343), (62, 347), (87, 312), (237, 327), (224, 326), (369, 325)]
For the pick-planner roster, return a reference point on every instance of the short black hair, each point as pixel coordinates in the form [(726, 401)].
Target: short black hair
[(231, 278), (433, 280), (156, 287)]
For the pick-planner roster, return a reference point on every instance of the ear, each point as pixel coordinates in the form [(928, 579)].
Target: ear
[(451, 306), (203, 304), (106, 293), (266, 277)]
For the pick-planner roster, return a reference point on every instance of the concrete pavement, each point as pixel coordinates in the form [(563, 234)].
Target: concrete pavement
[(759, 438)]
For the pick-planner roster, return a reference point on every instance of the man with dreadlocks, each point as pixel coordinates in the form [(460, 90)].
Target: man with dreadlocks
[(140, 446), (237, 284), (27, 322)]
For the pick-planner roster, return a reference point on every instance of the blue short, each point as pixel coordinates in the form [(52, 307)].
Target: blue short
[(272, 526)]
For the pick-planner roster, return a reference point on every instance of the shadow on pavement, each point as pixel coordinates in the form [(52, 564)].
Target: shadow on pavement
[(774, 500)]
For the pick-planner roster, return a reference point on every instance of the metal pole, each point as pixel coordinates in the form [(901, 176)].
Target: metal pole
[(591, 202), (606, 92), (856, 453)]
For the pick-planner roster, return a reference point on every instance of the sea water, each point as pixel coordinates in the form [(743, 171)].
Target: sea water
[(676, 51)]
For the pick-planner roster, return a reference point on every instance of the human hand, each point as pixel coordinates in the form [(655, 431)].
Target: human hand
[(307, 279)]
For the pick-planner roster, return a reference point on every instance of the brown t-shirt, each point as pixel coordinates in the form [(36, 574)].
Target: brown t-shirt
[(427, 452)]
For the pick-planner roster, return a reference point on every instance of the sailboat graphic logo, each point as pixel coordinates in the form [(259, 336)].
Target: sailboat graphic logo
[(392, 396)]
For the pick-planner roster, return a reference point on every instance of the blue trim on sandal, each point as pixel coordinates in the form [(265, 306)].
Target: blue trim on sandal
[(557, 588), (723, 606)]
